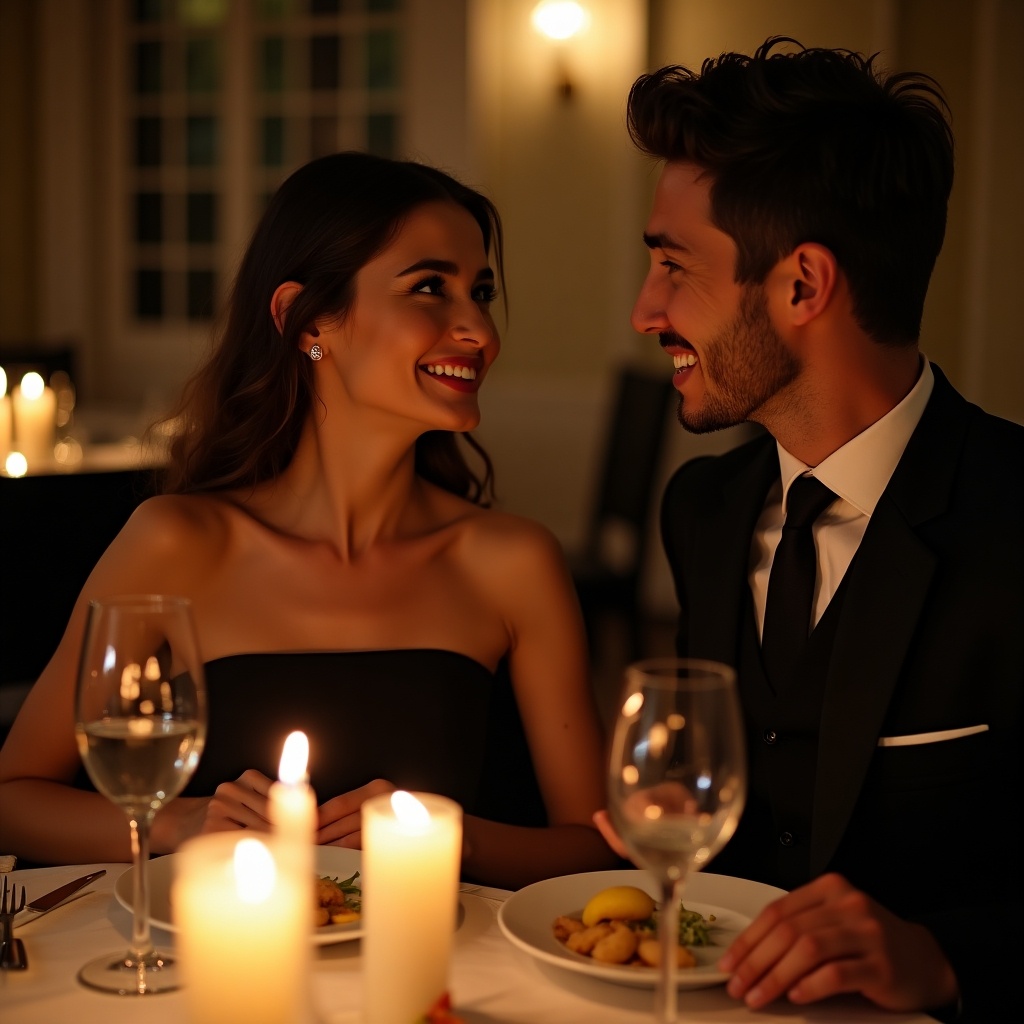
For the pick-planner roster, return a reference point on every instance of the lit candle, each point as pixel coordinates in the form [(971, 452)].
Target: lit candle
[(292, 801), (243, 931), (35, 418), (412, 845), (5, 417)]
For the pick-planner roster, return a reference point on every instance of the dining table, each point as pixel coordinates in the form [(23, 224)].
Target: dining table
[(491, 980)]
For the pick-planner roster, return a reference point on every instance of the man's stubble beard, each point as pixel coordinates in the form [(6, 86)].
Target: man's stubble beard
[(744, 366)]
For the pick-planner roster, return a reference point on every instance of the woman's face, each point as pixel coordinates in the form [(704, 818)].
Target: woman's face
[(419, 337)]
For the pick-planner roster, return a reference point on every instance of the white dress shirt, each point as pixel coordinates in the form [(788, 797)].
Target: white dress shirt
[(858, 472)]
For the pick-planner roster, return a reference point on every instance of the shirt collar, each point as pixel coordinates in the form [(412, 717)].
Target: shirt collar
[(860, 470)]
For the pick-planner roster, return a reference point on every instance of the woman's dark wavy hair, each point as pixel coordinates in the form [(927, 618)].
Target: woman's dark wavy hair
[(242, 412), (814, 145)]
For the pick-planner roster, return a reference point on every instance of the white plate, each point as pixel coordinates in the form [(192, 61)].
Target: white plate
[(526, 918), (330, 860)]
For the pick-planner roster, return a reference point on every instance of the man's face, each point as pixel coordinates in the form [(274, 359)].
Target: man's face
[(729, 359)]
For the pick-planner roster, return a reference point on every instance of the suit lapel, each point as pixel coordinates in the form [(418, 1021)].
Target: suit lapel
[(887, 586)]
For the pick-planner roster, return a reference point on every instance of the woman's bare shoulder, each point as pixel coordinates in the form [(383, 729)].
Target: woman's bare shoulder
[(511, 541), (170, 520), (171, 537)]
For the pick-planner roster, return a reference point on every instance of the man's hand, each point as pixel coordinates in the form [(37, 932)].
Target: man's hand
[(827, 937), (340, 822)]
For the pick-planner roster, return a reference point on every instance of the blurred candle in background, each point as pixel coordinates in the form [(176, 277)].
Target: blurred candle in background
[(243, 931), (412, 848), (5, 417), (35, 418)]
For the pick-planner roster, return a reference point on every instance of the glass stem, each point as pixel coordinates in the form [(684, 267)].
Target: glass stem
[(666, 1009), (142, 943)]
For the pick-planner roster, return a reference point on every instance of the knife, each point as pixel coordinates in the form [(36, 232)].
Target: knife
[(52, 900)]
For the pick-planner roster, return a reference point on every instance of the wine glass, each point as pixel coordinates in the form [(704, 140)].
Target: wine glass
[(677, 783), (140, 720)]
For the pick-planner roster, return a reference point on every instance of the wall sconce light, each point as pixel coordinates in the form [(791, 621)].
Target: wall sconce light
[(559, 21)]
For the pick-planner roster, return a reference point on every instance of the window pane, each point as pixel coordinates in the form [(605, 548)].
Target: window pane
[(202, 73), (271, 64), (381, 134), (273, 9), (323, 62), (382, 59), (150, 10), (149, 217), (149, 300), (323, 136), (202, 12), (202, 217), (272, 148), (147, 141), (201, 141), (148, 75), (200, 294)]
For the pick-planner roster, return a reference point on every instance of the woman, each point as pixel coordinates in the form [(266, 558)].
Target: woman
[(345, 574)]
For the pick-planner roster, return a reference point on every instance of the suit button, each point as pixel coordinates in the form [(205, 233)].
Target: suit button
[(769, 736), (786, 838)]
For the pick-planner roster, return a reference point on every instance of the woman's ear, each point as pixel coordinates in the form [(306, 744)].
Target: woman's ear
[(810, 273), (281, 301)]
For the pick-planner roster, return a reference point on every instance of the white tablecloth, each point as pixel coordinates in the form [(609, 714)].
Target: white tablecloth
[(492, 981)]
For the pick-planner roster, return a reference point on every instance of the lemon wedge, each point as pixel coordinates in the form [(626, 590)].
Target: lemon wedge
[(619, 903)]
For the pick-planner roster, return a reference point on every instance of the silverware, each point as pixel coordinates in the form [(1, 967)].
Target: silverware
[(12, 950), (51, 900)]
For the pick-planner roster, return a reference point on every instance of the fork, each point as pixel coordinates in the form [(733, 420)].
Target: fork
[(12, 950)]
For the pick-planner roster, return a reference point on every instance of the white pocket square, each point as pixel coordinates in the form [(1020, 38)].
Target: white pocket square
[(917, 738)]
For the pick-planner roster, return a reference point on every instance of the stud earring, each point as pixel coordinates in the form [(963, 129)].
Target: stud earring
[(316, 353)]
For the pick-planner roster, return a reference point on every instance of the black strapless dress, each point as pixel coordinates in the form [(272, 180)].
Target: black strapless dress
[(430, 720)]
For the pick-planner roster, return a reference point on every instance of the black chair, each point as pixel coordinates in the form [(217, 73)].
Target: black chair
[(608, 571)]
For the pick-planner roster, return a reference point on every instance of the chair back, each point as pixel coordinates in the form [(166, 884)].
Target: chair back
[(633, 447)]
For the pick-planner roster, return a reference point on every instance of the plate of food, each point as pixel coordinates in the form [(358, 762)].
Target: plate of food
[(601, 924), (339, 902)]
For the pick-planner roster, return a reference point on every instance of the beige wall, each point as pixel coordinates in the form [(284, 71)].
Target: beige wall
[(17, 183)]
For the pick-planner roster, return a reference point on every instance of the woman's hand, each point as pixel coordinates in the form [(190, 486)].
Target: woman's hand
[(828, 937), (340, 821), (234, 805)]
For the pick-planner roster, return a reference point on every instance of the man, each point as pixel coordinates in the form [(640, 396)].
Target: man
[(794, 229)]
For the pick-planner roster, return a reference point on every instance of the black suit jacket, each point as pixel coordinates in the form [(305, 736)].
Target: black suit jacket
[(931, 638)]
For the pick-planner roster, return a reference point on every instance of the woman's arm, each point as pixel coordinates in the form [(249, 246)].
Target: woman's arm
[(527, 579)]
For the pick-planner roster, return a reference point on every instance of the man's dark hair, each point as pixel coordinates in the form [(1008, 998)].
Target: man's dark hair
[(814, 145)]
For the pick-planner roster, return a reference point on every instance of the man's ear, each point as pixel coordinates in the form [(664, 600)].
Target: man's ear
[(809, 274), (281, 301)]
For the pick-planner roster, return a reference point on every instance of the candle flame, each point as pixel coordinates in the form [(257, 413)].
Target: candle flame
[(255, 871), (409, 810), (32, 385), (3, 382), (294, 758)]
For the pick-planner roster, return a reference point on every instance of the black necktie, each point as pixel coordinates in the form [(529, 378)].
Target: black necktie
[(787, 613)]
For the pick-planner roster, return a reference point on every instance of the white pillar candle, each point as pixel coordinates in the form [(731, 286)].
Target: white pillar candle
[(5, 418), (243, 931), (35, 418), (292, 801), (412, 846)]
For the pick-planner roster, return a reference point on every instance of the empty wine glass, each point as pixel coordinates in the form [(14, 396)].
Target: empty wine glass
[(140, 720), (677, 783)]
